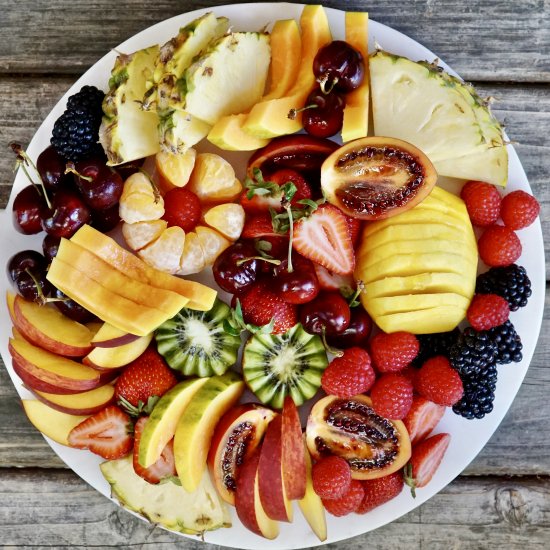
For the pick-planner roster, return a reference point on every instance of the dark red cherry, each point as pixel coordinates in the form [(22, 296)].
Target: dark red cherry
[(357, 333), (71, 309), (50, 245), (105, 220), (323, 114), (329, 311), (100, 185), (67, 215), (51, 167), (26, 259), (34, 286), (340, 66), (28, 207), (298, 286), (129, 168), (231, 273)]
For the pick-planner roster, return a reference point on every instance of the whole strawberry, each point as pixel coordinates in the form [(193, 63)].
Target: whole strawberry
[(482, 202), (347, 503), (437, 381), (379, 491), (392, 396), (331, 477), (519, 209), (143, 381), (393, 352), (260, 305), (487, 311), (349, 375), (499, 246)]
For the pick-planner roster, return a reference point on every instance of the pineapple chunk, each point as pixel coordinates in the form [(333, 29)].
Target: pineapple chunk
[(178, 130), (127, 131), (228, 78), (443, 116)]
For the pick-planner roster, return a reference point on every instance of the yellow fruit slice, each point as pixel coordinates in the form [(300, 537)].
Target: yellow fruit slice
[(212, 243), (386, 305), (421, 284), (139, 202), (164, 254), (356, 111), (174, 170), (213, 179), (192, 259), (140, 234), (226, 218), (425, 321), (269, 119)]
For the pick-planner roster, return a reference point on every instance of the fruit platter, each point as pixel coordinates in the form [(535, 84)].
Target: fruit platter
[(274, 275)]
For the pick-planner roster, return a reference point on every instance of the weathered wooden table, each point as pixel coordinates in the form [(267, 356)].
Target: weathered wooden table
[(502, 500)]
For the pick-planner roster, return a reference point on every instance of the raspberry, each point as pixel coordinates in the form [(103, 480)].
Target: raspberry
[(349, 375), (331, 477), (519, 209), (182, 208), (488, 311), (348, 503), (393, 352), (439, 382), (499, 246), (392, 396), (482, 201), (379, 491), (410, 372)]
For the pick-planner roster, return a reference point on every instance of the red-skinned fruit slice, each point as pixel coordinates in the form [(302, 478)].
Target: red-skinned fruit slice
[(324, 238), (375, 177), (422, 418), (238, 434), (297, 152), (163, 468), (373, 446), (293, 452)]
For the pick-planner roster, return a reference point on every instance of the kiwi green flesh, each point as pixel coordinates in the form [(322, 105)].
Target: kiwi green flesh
[(277, 365), (195, 342)]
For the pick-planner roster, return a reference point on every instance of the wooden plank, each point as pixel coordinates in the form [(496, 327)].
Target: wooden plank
[(63, 36), (520, 446), (55, 508)]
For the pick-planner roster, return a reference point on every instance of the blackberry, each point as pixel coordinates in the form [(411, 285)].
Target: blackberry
[(435, 344), (473, 352), (508, 343), (510, 282), (76, 132), (479, 394)]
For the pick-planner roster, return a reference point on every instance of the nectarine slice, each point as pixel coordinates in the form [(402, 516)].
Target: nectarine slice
[(103, 358), (108, 336), (88, 402), (293, 451)]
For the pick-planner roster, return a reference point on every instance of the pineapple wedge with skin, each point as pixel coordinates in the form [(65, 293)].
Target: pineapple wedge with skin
[(443, 116), (127, 131), (167, 504), (228, 78)]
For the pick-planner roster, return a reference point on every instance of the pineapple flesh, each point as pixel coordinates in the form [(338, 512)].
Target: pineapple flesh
[(443, 116), (128, 132)]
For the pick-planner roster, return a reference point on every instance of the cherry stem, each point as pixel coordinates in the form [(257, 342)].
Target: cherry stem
[(294, 112), (323, 84), (288, 208), (353, 299), (23, 160), (268, 260), (336, 352), (41, 297), (71, 169)]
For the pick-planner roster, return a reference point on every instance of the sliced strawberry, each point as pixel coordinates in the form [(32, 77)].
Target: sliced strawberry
[(422, 418), (107, 433), (260, 305), (425, 460), (324, 238), (354, 227), (164, 467), (332, 281), (260, 203), (258, 225)]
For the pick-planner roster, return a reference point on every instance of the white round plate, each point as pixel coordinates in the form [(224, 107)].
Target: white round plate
[(468, 437)]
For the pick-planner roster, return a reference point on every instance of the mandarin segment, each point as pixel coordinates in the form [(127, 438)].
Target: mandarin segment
[(227, 218), (140, 234), (165, 253)]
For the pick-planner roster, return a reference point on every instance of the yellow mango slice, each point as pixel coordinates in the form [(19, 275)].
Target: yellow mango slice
[(386, 305), (425, 321)]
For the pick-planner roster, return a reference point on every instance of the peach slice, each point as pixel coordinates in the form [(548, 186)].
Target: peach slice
[(248, 503), (192, 260), (139, 200), (226, 218), (10, 302), (140, 234), (102, 358), (201, 297), (46, 327), (293, 460), (108, 336), (52, 423), (174, 170), (164, 254), (84, 403), (45, 371), (213, 179)]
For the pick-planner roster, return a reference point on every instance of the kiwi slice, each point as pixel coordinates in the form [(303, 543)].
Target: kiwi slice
[(277, 365), (195, 342)]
